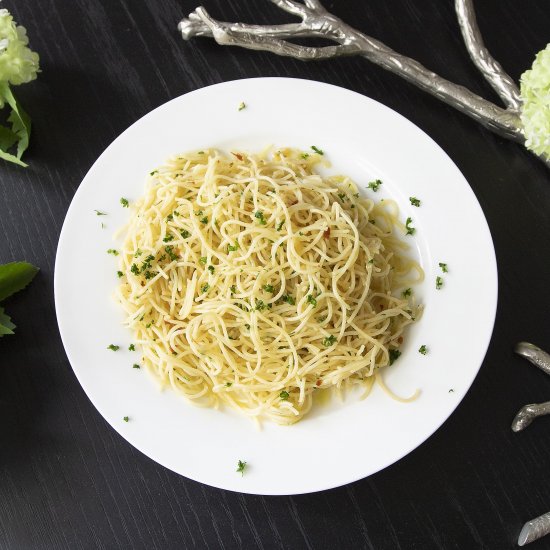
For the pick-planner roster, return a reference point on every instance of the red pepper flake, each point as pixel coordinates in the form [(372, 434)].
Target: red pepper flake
[(240, 157), (326, 233), (318, 383)]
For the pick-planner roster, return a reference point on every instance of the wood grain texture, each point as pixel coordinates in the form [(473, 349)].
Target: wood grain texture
[(67, 480)]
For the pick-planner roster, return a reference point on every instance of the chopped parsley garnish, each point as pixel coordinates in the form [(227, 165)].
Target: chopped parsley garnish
[(444, 267), (136, 366), (150, 274), (233, 289), (131, 347), (112, 347), (241, 465), (228, 384), (410, 230), (284, 395), (329, 340), (260, 305), (305, 155), (147, 263), (211, 269), (199, 213), (288, 299), (204, 220), (99, 213), (134, 269), (451, 390), (394, 355), (153, 172), (374, 185), (242, 105), (269, 288), (168, 238), (112, 251), (119, 274), (138, 253), (170, 217), (342, 197), (205, 287), (371, 261), (317, 150), (124, 202), (259, 215), (170, 251), (414, 201), (185, 234), (233, 247), (407, 292), (280, 226), (126, 419), (423, 349), (311, 300), (438, 283), (203, 260)]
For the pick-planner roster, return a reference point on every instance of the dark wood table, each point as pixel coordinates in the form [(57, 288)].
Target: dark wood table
[(67, 480)]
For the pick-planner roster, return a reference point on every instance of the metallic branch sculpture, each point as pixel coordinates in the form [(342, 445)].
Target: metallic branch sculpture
[(316, 21)]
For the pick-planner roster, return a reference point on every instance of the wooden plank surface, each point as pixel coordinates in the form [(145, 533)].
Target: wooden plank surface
[(67, 480)]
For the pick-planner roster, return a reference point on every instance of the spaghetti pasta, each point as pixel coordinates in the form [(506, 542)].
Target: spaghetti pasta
[(251, 280)]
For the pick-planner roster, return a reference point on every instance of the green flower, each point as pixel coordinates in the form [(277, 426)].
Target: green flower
[(535, 114), (18, 63)]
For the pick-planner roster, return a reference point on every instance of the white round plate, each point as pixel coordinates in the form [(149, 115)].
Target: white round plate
[(337, 443)]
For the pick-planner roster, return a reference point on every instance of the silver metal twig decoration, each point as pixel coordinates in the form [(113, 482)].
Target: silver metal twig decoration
[(316, 21), (538, 527)]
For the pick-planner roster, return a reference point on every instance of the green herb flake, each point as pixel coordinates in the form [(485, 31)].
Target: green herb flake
[(119, 274), (260, 305), (415, 201), (203, 260), (241, 465), (394, 355), (410, 230), (259, 215), (444, 267), (138, 253), (99, 213), (407, 292), (305, 155), (204, 220), (124, 202), (438, 283), (112, 251), (211, 269), (329, 340), (136, 366), (126, 418), (112, 347), (284, 395), (233, 289), (185, 234), (242, 105), (317, 150), (153, 172), (168, 238), (288, 299), (280, 226), (342, 197), (233, 247), (150, 274), (131, 347), (423, 349), (205, 288), (374, 185), (311, 300), (269, 288), (134, 269), (170, 251)]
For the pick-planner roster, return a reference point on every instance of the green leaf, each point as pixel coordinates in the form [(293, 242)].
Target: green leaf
[(20, 127), (14, 277), (6, 326)]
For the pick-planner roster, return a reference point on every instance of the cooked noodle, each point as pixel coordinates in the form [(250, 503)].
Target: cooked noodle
[(252, 281)]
